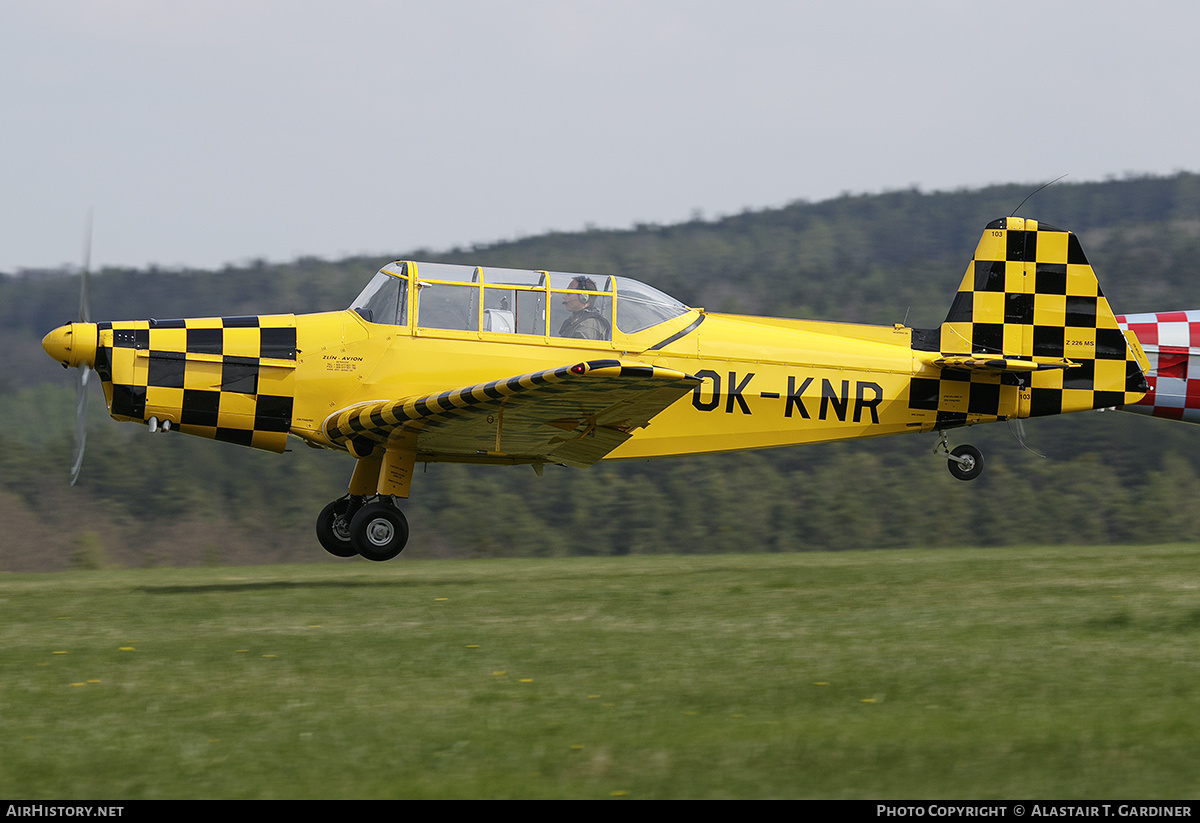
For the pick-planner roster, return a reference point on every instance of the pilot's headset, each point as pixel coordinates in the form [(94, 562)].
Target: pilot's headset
[(585, 283)]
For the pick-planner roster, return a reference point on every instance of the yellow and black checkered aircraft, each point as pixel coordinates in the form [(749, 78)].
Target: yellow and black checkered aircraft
[(435, 362)]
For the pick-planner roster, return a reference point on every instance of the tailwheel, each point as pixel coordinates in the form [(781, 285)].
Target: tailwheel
[(965, 462), (333, 527), (378, 531)]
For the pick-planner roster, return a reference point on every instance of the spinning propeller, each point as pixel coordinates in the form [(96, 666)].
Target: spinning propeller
[(85, 369), (74, 344)]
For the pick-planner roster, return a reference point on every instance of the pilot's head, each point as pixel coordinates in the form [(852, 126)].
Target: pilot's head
[(573, 301)]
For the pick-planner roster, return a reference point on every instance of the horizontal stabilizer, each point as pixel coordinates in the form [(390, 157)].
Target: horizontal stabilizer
[(999, 364)]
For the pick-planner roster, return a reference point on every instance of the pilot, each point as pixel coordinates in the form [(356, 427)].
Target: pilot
[(584, 322)]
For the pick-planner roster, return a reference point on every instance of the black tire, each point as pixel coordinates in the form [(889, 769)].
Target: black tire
[(379, 531), (970, 469), (333, 531)]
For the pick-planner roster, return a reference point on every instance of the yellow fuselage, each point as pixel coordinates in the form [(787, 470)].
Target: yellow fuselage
[(767, 382)]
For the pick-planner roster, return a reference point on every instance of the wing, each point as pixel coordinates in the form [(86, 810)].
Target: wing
[(572, 415)]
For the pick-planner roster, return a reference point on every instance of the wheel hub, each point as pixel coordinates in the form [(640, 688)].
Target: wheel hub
[(380, 531), (341, 528)]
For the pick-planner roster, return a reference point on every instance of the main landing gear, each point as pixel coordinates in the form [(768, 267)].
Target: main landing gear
[(965, 462), (374, 528), (368, 520)]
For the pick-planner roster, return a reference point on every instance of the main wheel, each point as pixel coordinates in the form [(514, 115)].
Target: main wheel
[(333, 530), (379, 531), (971, 465)]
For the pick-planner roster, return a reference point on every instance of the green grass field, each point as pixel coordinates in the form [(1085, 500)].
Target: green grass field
[(1059, 672)]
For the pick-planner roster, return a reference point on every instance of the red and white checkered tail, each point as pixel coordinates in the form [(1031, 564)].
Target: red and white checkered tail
[(1171, 340)]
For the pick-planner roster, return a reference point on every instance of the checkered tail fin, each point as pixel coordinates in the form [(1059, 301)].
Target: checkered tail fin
[(1030, 305)]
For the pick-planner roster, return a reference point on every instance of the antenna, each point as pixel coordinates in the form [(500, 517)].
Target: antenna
[(1035, 191)]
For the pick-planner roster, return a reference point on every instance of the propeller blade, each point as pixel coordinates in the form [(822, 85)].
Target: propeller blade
[(81, 403), (81, 385)]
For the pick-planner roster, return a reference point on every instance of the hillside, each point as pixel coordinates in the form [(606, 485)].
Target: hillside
[(864, 258)]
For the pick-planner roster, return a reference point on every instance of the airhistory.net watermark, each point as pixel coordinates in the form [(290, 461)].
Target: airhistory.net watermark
[(51, 810)]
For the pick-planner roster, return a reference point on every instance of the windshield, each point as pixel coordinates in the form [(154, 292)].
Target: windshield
[(384, 300), (640, 306)]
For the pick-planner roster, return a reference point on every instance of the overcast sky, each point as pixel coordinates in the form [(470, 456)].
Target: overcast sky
[(213, 132)]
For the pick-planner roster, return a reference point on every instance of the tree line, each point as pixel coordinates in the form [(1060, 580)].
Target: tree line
[(1107, 478)]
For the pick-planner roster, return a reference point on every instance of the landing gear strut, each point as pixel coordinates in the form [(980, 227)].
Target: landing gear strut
[(965, 462)]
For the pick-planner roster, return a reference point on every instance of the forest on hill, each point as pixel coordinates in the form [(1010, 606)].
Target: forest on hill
[(892, 257)]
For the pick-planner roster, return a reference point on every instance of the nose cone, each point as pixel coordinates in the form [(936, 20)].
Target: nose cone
[(73, 344)]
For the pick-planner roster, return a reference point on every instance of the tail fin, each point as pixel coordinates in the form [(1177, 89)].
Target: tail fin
[(1172, 344), (1030, 316)]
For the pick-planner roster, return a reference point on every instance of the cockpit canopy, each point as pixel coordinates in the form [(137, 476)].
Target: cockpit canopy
[(513, 301)]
